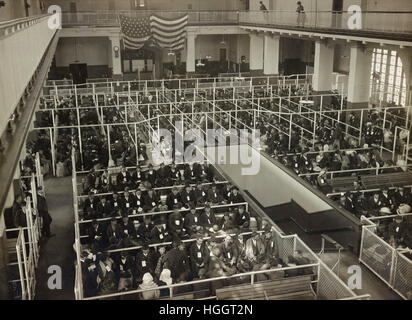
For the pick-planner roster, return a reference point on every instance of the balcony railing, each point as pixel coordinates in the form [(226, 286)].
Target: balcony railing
[(372, 21)]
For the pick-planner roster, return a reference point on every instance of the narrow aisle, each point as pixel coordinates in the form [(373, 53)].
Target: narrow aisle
[(58, 250)]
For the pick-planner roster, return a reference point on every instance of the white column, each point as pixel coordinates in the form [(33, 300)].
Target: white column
[(116, 56), (256, 52), (359, 76), (323, 66), (271, 54), (191, 53)]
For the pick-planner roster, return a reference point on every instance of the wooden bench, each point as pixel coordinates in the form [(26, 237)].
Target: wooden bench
[(295, 288), (342, 184), (387, 180)]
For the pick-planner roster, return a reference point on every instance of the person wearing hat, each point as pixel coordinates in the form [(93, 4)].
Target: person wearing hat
[(242, 217), (187, 195), (235, 196), (207, 218), (192, 220), (123, 179), (175, 224), (128, 230), (396, 232), (159, 233), (173, 198), (104, 208), (125, 266), (144, 262), (145, 229), (199, 257), (96, 235)]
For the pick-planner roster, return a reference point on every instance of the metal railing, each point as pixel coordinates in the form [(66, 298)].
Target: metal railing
[(387, 262), (371, 21)]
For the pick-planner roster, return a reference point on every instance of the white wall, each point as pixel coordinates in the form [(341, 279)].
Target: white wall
[(93, 51), (20, 55), (271, 185), (15, 9)]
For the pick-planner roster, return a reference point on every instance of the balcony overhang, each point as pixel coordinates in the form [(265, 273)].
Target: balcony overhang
[(399, 40)]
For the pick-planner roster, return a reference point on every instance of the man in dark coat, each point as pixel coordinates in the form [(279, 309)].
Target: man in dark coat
[(44, 214)]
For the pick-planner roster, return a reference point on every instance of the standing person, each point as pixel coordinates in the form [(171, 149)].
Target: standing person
[(263, 7), (301, 14), (44, 214)]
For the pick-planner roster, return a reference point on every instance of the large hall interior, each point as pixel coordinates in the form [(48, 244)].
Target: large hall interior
[(205, 150)]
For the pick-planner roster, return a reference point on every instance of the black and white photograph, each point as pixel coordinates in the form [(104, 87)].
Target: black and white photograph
[(198, 156)]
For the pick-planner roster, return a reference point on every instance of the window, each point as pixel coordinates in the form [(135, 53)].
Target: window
[(388, 78)]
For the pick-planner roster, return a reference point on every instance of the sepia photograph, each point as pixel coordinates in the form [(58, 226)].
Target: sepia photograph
[(206, 157)]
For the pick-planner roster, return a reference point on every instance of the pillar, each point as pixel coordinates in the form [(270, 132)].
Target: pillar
[(256, 54), (4, 295), (359, 76), (116, 57), (323, 67), (271, 54), (191, 53)]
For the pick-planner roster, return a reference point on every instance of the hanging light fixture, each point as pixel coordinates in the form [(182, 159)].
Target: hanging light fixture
[(200, 63)]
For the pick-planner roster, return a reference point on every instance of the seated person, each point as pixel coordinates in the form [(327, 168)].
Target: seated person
[(128, 200), (176, 176), (235, 196), (187, 195), (90, 203), (148, 283), (124, 272), (176, 224), (227, 223), (159, 233), (151, 175), (128, 230), (151, 200), (97, 236), (145, 229), (123, 179), (173, 198), (230, 252), (214, 196), (192, 220), (104, 208), (200, 195), (144, 263), (114, 234), (199, 258), (242, 217), (137, 177), (208, 219), (164, 176), (177, 261)]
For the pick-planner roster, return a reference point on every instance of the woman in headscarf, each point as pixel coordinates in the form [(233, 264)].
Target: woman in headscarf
[(165, 279), (148, 283)]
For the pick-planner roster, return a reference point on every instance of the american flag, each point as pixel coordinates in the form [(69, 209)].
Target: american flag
[(165, 33), (135, 31)]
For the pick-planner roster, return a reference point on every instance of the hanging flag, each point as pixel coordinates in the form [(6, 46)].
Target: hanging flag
[(135, 31), (169, 33), (165, 33)]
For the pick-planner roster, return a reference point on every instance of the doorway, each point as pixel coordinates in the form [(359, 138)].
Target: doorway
[(79, 72)]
